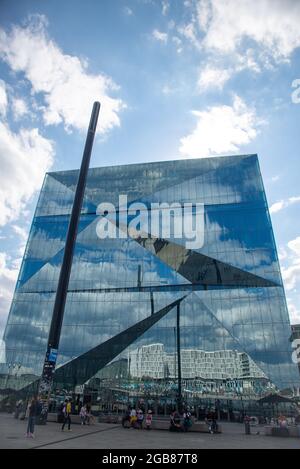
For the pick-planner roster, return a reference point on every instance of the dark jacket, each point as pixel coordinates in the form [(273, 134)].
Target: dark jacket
[(33, 409)]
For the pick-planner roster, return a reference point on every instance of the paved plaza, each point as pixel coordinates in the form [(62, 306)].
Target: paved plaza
[(112, 436)]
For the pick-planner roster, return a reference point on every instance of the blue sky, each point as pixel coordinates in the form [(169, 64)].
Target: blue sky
[(177, 79)]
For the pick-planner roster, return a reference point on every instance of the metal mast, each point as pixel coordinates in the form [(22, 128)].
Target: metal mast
[(64, 277)]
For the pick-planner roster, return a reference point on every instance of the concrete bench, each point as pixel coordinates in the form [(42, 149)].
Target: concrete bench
[(201, 427), (164, 424), (110, 418), (293, 432)]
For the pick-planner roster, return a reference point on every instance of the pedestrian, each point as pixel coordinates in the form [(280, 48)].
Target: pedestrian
[(133, 417), (80, 406), (247, 421), (282, 421), (149, 420), (88, 413), (213, 428), (140, 419), (187, 420), (83, 415), (32, 412), (67, 415), (19, 405), (175, 424), (126, 419)]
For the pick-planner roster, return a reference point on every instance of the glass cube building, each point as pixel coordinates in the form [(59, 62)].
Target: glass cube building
[(120, 322)]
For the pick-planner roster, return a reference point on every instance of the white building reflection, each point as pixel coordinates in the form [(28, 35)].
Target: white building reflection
[(152, 361)]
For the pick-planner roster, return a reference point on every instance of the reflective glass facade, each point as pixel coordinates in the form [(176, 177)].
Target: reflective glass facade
[(121, 307)]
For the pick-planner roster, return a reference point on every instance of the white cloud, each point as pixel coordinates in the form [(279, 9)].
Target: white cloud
[(289, 256), (21, 232), (212, 77), (25, 157), (282, 254), (190, 33), (8, 276), (294, 245), (291, 267), (247, 60), (167, 89), (294, 312), (3, 98), (221, 129), (243, 35), (178, 43), (278, 206), (165, 7), (291, 275), (19, 108), (160, 36), (271, 24), (67, 87), (128, 11)]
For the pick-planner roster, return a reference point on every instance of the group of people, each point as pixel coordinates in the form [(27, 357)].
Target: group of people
[(85, 414), (180, 423), (282, 421), (135, 419), (33, 411)]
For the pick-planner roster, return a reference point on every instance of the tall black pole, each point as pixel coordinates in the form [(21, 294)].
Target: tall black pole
[(179, 397), (64, 276), (152, 302)]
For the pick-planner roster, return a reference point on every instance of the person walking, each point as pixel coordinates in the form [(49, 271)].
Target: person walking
[(32, 412), (83, 414), (67, 415)]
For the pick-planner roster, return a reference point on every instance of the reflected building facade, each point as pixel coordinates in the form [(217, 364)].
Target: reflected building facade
[(123, 292), (151, 361)]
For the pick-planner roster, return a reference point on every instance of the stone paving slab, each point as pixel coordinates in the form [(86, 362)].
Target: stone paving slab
[(112, 436), (13, 433)]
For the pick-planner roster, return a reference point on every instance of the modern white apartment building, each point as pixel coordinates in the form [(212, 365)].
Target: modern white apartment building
[(151, 361)]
